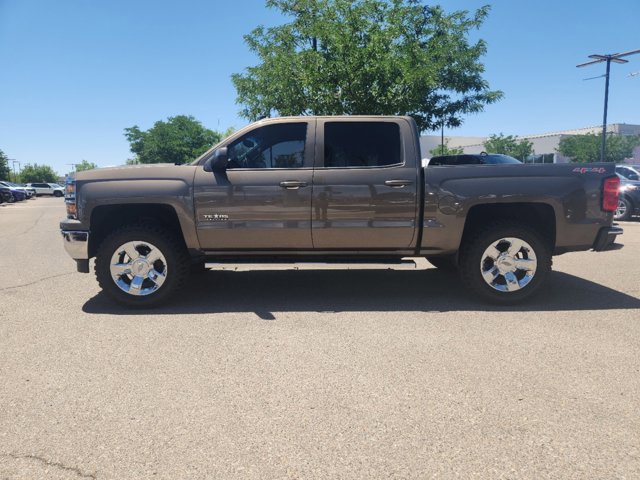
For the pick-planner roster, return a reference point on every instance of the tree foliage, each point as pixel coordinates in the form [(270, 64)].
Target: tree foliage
[(372, 57), (509, 145), (38, 173), (85, 165), (5, 171), (180, 139), (446, 150), (586, 148)]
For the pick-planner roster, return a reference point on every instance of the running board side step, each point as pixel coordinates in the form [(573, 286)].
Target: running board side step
[(402, 264)]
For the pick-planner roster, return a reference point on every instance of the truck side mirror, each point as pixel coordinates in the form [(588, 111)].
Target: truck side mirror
[(218, 161)]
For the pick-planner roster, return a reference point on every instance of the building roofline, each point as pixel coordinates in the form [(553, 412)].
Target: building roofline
[(610, 127)]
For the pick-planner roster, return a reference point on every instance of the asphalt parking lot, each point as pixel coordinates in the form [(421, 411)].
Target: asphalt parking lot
[(315, 374)]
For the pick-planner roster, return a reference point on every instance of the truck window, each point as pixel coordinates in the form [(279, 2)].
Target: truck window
[(361, 144), (271, 146)]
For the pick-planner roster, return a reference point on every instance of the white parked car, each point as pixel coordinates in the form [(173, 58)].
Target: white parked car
[(47, 189)]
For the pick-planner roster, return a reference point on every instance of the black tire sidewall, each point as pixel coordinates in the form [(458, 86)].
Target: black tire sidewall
[(174, 253), (474, 248), (627, 213)]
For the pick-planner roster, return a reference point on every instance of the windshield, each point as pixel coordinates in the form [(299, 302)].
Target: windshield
[(628, 173)]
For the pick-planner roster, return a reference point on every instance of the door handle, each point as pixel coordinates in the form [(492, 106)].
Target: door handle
[(292, 184), (398, 183)]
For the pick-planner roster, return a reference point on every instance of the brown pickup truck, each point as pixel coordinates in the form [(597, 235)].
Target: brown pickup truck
[(334, 189)]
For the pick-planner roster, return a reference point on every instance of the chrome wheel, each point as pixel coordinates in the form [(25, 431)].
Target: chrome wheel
[(138, 268), (621, 211), (508, 264)]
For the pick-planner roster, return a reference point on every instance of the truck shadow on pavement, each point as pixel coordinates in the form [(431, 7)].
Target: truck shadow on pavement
[(264, 292)]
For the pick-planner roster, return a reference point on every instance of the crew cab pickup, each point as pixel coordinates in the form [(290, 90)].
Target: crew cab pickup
[(334, 189)]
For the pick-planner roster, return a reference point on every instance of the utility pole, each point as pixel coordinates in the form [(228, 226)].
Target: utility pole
[(14, 161), (616, 58), (73, 165)]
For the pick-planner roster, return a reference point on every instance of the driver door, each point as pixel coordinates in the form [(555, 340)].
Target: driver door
[(263, 199)]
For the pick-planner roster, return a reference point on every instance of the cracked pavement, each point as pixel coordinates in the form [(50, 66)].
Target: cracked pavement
[(314, 374)]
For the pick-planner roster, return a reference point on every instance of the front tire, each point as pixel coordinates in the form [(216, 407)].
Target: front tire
[(141, 266), (505, 263)]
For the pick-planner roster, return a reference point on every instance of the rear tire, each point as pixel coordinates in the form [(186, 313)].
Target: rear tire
[(141, 266), (505, 263)]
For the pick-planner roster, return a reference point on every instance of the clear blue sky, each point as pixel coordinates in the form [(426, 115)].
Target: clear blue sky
[(75, 73)]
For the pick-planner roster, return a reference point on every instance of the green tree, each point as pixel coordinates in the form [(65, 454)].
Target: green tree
[(85, 165), (180, 139), (227, 133), (620, 147), (586, 148), (446, 150), (509, 145), (38, 173), (391, 57), (5, 171)]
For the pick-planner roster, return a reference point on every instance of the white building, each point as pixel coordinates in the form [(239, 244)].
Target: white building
[(544, 145)]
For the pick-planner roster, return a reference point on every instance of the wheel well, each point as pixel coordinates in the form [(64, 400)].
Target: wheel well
[(628, 199), (105, 219), (538, 216)]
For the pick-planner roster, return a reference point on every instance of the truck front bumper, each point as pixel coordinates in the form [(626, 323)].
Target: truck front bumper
[(606, 239), (76, 243)]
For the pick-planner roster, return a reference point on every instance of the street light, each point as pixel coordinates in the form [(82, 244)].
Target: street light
[(616, 58)]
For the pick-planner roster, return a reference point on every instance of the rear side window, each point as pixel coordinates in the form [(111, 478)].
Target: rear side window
[(361, 144)]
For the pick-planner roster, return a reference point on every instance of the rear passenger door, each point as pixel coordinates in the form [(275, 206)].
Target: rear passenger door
[(364, 185)]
